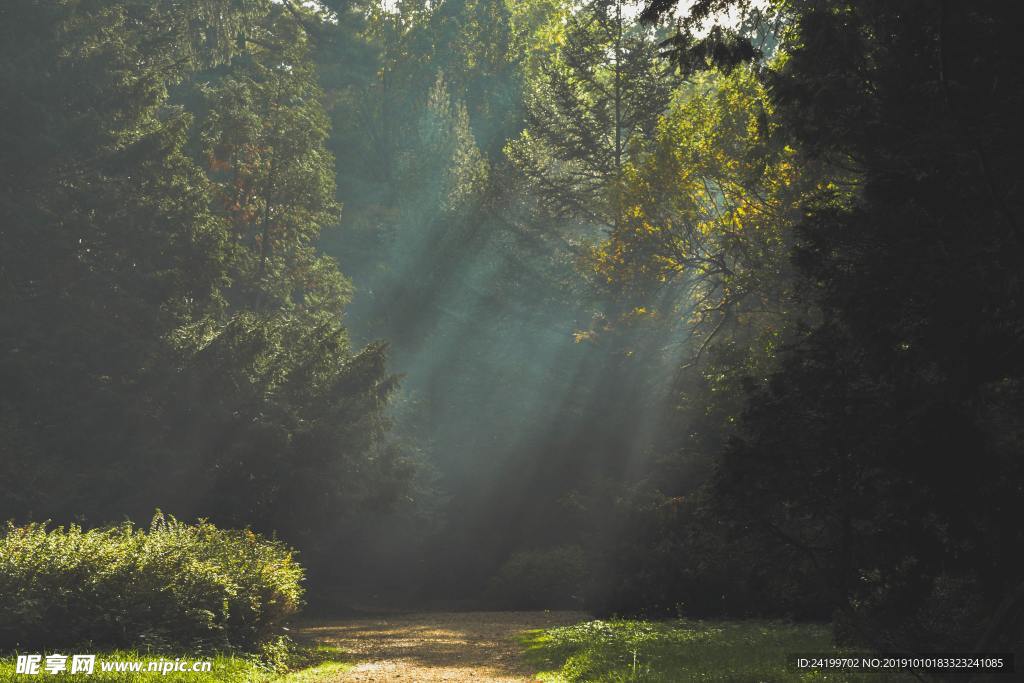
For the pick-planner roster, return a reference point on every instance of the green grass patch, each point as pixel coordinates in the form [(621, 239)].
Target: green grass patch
[(304, 665), (683, 650)]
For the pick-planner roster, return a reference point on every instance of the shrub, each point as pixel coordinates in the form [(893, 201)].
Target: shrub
[(175, 585), (541, 579)]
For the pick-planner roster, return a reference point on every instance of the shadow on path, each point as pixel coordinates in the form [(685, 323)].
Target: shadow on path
[(436, 646)]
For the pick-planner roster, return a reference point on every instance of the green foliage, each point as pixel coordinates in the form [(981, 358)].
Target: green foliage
[(795, 378), (707, 212), (853, 211), (305, 419), (676, 555), (720, 48), (587, 107), (725, 651), (172, 320), (703, 245), (263, 138), (550, 578), (895, 479), (171, 586)]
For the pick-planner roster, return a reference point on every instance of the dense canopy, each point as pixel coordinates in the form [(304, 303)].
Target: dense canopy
[(706, 308)]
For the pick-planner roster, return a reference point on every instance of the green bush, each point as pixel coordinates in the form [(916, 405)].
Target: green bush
[(175, 585), (541, 579)]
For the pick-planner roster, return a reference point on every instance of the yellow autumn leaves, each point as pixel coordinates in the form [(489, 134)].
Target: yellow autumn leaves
[(707, 203)]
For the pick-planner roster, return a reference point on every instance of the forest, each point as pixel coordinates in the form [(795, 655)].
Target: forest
[(636, 316)]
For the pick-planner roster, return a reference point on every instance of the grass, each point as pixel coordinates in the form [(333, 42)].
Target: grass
[(305, 665), (683, 650)]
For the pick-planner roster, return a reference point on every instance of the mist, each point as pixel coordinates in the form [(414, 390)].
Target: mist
[(510, 316)]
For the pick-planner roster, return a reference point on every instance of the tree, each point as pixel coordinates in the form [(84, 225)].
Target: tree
[(264, 137), (586, 109), (880, 449), (707, 210), (175, 336), (110, 241), (701, 253)]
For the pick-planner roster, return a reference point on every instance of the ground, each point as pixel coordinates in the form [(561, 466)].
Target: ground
[(437, 646)]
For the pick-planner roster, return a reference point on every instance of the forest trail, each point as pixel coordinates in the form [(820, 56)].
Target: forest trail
[(436, 646)]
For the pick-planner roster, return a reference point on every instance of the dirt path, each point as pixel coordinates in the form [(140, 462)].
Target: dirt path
[(437, 646)]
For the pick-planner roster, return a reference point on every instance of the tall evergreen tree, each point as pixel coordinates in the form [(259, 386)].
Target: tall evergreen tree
[(586, 110), (171, 334), (880, 452)]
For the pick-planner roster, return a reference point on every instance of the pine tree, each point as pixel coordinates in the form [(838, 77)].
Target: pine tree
[(587, 109), (171, 333)]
